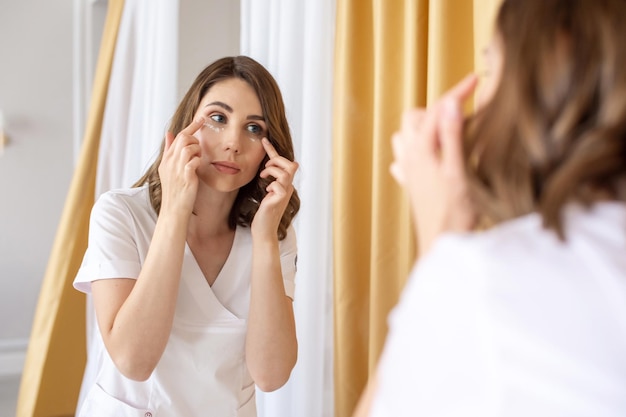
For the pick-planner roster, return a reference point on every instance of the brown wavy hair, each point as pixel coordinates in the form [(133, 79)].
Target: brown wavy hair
[(250, 195), (555, 129)]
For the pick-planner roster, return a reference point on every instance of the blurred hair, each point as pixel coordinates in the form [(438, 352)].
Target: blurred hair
[(555, 129), (278, 133)]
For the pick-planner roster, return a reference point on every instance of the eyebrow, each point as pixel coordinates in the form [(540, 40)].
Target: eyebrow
[(230, 110), (222, 105)]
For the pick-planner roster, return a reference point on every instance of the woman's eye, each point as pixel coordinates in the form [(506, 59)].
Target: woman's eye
[(218, 118), (216, 122), (256, 130)]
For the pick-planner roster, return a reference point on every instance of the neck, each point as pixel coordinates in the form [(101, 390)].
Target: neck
[(210, 213)]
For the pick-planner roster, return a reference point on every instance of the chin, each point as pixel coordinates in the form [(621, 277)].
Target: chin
[(224, 185)]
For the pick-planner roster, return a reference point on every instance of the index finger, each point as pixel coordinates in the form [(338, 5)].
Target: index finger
[(412, 118), (463, 89), (194, 126), (269, 148)]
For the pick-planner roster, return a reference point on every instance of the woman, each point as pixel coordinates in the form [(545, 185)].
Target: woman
[(192, 270), (526, 317)]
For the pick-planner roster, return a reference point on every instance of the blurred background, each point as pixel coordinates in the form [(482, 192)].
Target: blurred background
[(86, 91)]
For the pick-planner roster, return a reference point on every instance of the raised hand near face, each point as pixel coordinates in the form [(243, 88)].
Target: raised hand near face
[(177, 171), (429, 164), (279, 192)]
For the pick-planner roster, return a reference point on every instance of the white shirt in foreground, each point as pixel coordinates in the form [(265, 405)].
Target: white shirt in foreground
[(513, 322)]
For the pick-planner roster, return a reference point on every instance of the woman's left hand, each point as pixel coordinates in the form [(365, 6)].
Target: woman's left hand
[(279, 192)]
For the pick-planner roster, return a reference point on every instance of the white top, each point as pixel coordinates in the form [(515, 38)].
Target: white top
[(203, 369), (512, 322)]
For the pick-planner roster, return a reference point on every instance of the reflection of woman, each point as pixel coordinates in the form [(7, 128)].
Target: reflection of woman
[(527, 318), (192, 271)]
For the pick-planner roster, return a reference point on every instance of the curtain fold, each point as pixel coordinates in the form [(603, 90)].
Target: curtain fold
[(389, 55), (140, 98), (56, 354), (142, 92), (295, 41)]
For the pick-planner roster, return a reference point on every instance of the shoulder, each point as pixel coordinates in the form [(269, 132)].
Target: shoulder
[(477, 251), (468, 268), (519, 259), (123, 203), (522, 250), (130, 197)]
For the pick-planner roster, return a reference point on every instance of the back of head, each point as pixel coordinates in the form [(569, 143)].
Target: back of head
[(555, 130)]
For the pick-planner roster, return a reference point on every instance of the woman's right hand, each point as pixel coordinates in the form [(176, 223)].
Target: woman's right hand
[(135, 316), (429, 164), (181, 158)]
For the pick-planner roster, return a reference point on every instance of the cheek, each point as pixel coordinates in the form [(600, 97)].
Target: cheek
[(254, 159), (488, 86), (201, 135), (208, 138), (257, 153), (485, 92), (493, 66)]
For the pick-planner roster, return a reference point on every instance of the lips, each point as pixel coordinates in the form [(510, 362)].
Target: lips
[(226, 167)]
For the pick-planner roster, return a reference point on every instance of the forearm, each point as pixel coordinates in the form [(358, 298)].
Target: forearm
[(271, 345), (138, 334)]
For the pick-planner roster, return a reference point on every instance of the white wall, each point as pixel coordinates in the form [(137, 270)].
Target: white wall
[(36, 96), (36, 167), (209, 29)]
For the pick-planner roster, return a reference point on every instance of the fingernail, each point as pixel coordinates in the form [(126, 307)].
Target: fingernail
[(451, 109), (201, 119)]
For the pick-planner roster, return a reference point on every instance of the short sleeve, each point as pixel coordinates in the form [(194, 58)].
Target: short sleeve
[(112, 249), (435, 357), (289, 261)]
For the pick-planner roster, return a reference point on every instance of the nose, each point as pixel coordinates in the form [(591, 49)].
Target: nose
[(231, 140)]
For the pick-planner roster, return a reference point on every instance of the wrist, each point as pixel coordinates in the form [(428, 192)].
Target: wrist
[(265, 238)]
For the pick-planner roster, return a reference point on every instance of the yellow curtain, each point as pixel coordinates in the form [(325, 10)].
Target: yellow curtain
[(389, 55), (56, 354)]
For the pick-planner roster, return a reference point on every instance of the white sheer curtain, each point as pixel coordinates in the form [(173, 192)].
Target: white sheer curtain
[(295, 41), (140, 99), (142, 92)]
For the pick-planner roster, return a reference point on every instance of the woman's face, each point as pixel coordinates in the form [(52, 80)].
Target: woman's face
[(231, 137), (493, 61)]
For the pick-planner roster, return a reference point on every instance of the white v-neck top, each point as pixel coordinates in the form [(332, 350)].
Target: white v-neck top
[(513, 322), (203, 369)]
